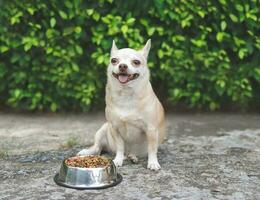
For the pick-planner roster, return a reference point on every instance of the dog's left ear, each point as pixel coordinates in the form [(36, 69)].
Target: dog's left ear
[(145, 50)]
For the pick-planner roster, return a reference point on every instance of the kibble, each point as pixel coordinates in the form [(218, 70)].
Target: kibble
[(87, 161)]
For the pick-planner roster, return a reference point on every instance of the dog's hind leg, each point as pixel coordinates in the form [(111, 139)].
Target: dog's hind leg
[(133, 158), (99, 143)]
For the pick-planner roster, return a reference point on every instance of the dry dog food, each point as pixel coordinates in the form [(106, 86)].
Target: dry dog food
[(87, 161)]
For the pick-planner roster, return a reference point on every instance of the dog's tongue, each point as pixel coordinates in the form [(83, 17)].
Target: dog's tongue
[(123, 78)]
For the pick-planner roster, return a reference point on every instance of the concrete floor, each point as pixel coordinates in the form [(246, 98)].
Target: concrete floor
[(206, 156)]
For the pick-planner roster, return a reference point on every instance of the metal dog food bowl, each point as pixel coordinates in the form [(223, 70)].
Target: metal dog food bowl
[(88, 178)]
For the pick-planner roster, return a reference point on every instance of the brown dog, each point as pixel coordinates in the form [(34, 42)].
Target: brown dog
[(135, 116)]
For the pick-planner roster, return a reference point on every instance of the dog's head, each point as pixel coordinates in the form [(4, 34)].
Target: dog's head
[(128, 66)]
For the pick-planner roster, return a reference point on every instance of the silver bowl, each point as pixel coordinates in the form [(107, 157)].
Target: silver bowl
[(88, 178)]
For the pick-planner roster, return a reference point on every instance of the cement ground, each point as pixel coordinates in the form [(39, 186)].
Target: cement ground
[(206, 156)]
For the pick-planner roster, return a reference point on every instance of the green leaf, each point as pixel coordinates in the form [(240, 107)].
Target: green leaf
[(78, 29), (223, 25), (63, 14), (151, 31), (160, 53), (220, 36), (177, 92), (27, 46), (49, 33), (31, 10), (16, 18), (90, 11), (241, 53), (17, 93), (75, 67), (223, 2), (233, 17), (130, 21), (79, 49), (100, 59), (69, 4), (239, 7), (124, 28), (221, 83), (201, 13), (49, 50), (251, 16), (198, 42), (144, 22), (52, 22), (96, 16), (68, 30), (3, 49), (53, 107), (184, 23)]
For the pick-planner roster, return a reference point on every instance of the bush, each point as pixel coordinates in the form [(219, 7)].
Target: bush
[(205, 54)]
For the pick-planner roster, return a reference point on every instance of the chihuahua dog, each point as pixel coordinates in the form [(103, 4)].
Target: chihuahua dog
[(135, 117)]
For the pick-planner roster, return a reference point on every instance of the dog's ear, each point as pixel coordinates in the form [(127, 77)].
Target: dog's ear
[(145, 50), (113, 48)]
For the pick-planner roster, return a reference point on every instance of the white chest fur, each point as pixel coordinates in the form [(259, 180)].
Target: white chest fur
[(125, 116)]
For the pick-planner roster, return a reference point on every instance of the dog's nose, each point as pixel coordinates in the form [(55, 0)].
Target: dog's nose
[(122, 67)]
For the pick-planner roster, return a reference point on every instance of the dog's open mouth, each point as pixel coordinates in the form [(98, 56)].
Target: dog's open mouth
[(124, 77)]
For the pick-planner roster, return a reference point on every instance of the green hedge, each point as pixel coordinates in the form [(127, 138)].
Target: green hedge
[(205, 54)]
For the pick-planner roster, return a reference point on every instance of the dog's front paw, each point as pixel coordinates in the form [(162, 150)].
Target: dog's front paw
[(84, 152), (153, 166), (118, 162)]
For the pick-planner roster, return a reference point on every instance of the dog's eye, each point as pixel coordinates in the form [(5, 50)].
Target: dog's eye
[(136, 62), (114, 61)]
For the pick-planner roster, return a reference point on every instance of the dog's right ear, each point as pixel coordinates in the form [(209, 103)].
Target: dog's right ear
[(113, 48)]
